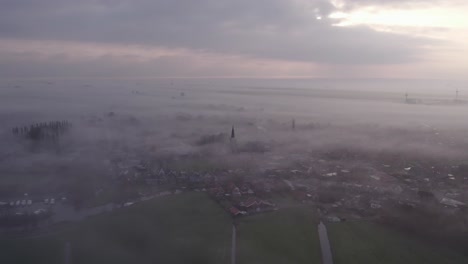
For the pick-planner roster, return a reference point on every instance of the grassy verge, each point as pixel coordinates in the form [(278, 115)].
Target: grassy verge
[(364, 242)]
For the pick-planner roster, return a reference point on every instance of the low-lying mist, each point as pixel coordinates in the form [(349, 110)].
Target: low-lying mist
[(150, 119)]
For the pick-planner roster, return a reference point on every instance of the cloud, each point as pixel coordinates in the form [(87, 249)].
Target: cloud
[(259, 29), (34, 58), (351, 4)]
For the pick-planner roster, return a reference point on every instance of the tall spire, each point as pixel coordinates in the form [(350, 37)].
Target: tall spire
[(293, 124), (233, 133)]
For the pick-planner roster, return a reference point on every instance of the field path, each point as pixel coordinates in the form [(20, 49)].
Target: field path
[(291, 186), (233, 245), (67, 253), (325, 244)]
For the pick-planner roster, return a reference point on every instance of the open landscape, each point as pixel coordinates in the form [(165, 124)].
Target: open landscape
[(288, 235), (364, 242), (177, 229), (178, 171), (233, 132)]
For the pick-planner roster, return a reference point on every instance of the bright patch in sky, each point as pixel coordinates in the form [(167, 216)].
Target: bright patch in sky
[(436, 17), (446, 22)]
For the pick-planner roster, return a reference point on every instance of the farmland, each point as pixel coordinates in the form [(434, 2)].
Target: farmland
[(177, 229), (364, 242), (286, 236)]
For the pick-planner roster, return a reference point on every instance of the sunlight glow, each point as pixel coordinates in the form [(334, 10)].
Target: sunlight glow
[(429, 17)]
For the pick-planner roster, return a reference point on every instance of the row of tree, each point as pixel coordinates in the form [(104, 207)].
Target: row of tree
[(45, 130)]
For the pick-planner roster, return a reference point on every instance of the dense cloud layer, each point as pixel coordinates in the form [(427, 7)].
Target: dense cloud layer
[(407, 3), (266, 29)]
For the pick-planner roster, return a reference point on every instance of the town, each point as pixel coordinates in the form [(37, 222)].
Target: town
[(341, 184), (159, 179)]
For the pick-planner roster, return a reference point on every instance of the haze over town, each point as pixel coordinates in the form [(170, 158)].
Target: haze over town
[(221, 131)]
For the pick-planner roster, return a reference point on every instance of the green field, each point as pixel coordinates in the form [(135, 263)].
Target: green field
[(364, 242), (187, 228), (191, 228), (285, 236)]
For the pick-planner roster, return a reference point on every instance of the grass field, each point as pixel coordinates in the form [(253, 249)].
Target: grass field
[(364, 242), (285, 236), (188, 228), (44, 250)]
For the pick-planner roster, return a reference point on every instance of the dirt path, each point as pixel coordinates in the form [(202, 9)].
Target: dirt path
[(291, 186), (233, 245), (67, 253), (325, 244)]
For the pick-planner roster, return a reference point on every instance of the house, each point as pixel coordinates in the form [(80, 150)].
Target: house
[(128, 204), (253, 203), (261, 187), (209, 179), (451, 202), (236, 192), (236, 212), (217, 191), (301, 195), (245, 189), (264, 203), (161, 173), (232, 189)]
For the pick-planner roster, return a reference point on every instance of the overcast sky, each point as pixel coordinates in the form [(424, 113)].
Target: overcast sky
[(222, 38)]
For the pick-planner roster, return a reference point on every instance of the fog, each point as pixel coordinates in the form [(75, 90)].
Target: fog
[(169, 115), (345, 133), (358, 106), (197, 131), (323, 99)]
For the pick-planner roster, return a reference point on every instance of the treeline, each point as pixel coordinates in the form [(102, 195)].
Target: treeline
[(43, 131)]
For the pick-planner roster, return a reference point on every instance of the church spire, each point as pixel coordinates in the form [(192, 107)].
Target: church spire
[(233, 133)]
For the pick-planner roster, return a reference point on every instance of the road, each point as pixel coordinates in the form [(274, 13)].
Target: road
[(67, 253), (66, 212), (291, 186), (325, 244), (233, 245)]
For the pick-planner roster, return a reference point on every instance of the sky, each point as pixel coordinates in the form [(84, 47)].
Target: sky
[(416, 39)]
